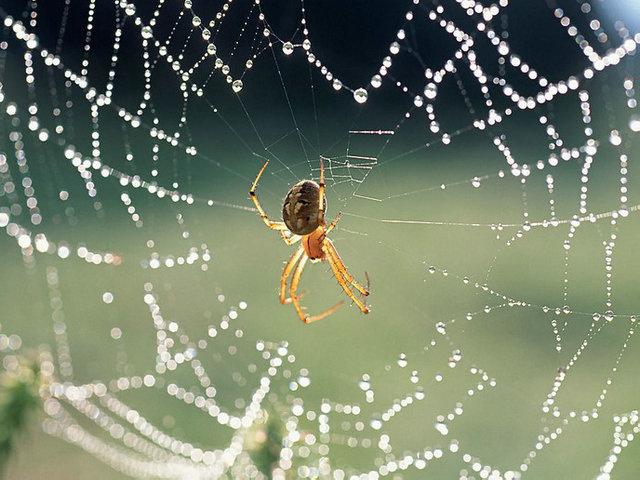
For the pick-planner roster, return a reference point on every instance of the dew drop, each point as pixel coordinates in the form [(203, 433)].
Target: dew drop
[(431, 90), (237, 85), (287, 48), (360, 95), (402, 360), (615, 138)]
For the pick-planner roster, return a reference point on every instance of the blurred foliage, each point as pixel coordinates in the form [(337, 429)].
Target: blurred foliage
[(264, 443), (19, 399)]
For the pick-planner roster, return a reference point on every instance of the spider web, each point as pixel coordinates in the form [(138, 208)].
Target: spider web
[(482, 155)]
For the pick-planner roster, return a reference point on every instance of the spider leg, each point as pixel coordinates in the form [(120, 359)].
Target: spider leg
[(273, 225), (344, 273), (334, 223), (288, 268), (254, 197), (323, 202), (293, 288), (341, 280), (289, 240)]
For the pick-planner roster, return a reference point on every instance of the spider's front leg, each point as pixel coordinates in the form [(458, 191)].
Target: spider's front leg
[(333, 224), (254, 198), (321, 194), (272, 224)]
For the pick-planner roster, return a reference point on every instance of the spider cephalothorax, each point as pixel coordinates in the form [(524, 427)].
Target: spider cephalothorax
[(303, 212)]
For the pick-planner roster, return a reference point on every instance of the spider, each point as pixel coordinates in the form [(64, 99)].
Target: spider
[(303, 214)]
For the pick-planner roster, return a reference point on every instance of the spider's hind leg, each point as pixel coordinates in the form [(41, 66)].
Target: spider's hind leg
[(334, 257), (286, 272), (294, 297), (342, 280)]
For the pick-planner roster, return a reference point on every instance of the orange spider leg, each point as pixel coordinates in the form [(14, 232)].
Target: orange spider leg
[(334, 223), (344, 273), (323, 202), (293, 288), (273, 225), (289, 240), (343, 283), (288, 268)]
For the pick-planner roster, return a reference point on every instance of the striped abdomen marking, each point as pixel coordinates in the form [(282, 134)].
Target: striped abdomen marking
[(300, 210)]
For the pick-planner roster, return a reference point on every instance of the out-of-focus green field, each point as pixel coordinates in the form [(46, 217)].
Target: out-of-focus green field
[(514, 345)]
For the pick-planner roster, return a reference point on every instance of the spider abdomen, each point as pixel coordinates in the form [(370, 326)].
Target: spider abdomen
[(301, 208)]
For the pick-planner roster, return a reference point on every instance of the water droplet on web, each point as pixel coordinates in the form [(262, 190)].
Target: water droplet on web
[(455, 358), (431, 90), (360, 95), (402, 360), (107, 297), (337, 84), (634, 123), (615, 138), (376, 81), (442, 428), (287, 48), (236, 85), (146, 32)]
